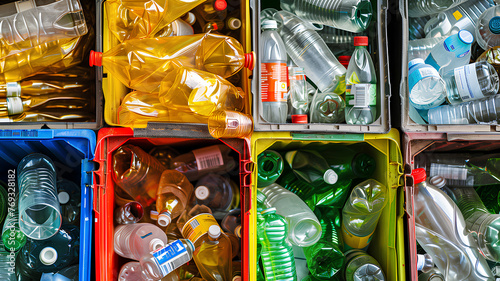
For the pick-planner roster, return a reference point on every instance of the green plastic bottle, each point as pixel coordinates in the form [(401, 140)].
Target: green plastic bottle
[(297, 185), (324, 259), (335, 197), (331, 223), (269, 167), (12, 237), (349, 164)]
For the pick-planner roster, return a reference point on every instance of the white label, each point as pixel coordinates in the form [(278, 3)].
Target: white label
[(14, 106), (171, 257), (208, 157), (467, 84), (13, 89)]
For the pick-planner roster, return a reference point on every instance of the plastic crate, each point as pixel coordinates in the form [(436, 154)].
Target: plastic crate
[(114, 91), (110, 139), (72, 152), (377, 35), (387, 245)]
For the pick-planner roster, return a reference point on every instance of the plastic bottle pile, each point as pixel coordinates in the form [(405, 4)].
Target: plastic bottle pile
[(317, 211), (453, 76), (177, 215), (40, 234)]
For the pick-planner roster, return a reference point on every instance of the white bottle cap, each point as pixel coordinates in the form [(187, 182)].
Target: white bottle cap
[(330, 176), (190, 18), (63, 197), (164, 219), (237, 278), (438, 181), (267, 24), (202, 192), (48, 256), (465, 36), (214, 231), (156, 244), (234, 23)]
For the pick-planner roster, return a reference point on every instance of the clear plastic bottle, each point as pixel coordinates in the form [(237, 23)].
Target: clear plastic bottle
[(232, 222), (488, 28), (212, 255), (425, 263), (130, 213), (419, 8), (39, 209), (352, 15), (12, 237), (361, 80), (433, 275), (269, 167), (67, 274), (416, 27), (327, 108), (427, 88), (361, 213), (230, 124), (421, 48), (298, 94), (453, 52), (134, 241), (471, 82), (312, 167), (174, 193), (308, 50), (361, 266), (304, 227), (440, 230), (340, 41), (214, 191), (132, 271), (69, 195), (477, 111)]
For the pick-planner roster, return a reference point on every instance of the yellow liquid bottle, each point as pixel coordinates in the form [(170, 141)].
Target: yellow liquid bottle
[(213, 256), (230, 124), (174, 193), (46, 86), (194, 222), (211, 10), (47, 116), (142, 64)]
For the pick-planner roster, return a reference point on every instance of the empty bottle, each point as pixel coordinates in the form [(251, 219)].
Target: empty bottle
[(425, 263), (132, 212), (176, 28), (471, 82), (361, 213), (137, 173), (39, 209), (298, 94), (212, 255), (476, 111), (69, 195), (12, 237), (67, 274), (330, 220), (132, 271), (361, 91), (488, 28), (269, 167), (463, 16), (419, 8), (421, 48), (440, 182), (354, 15), (134, 241), (211, 10), (416, 27), (232, 222), (311, 167), (277, 254), (348, 163), (174, 193), (361, 266), (339, 41), (308, 50), (324, 259), (164, 154), (45, 85), (195, 221), (441, 231), (327, 108), (304, 227), (7, 264), (297, 185), (453, 52), (433, 275), (230, 124), (335, 197), (427, 88), (214, 191)]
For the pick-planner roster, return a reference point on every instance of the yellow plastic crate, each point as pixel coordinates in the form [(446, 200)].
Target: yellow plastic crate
[(387, 245)]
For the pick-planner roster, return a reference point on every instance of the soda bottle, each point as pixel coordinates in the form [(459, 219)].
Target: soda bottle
[(133, 241), (69, 195), (427, 88), (67, 274), (174, 193), (194, 222), (361, 266), (361, 85), (230, 124), (212, 255), (232, 222), (130, 213), (419, 8), (453, 52), (214, 191), (487, 30), (7, 267), (361, 213), (327, 108), (310, 166), (202, 161), (39, 209), (269, 167), (472, 112), (425, 263), (12, 237), (274, 74), (137, 173)]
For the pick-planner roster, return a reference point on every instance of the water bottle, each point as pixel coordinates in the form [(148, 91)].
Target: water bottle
[(352, 15), (488, 28), (298, 94), (339, 41), (427, 88), (424, 263), (471, 82), (419, 8), (361, 213), (215, 192), (453, 52), (477, 111), (304, 227), (421, 48), (269, 167), (416, 27), (433, 275), (308, 50), (361, 80), (67, 274), (39, 209), (7, 264), (361, 266), (134, 241), (277, 254), (311, 167), (327, 108), (69, 195), (212, 255), (441, 230), (274, 74), (130, 213), (324, 259), (174, 193)]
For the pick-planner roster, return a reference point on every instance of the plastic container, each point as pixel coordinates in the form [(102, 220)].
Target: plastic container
[(133, 241), (419, 8), (477, 111), (361, 266), (488, 30), (173, 196), (298, 94), (213, 254), (426, 87), (327, 108), (270, 166), (421, 48), (453, 52)]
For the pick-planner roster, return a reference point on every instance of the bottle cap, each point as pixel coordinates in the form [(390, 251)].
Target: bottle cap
[(438, 181), (360, 40), (495, 25), (233, 23), (48, 256), (249, 60), (344, 60), (299, 118), (330, 176), (156, 244), (95, 58), (164, 219), (415, 62), (268, 24), (220, 5), (189, 18), (237, 231), (465, 36), (418, 175), (214, 231), (237, 278), (202, 192), (63, 197), (268, 211)]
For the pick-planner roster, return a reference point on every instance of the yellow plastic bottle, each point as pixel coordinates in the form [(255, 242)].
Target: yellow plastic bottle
[(213, 256), (230, 124), (174, 193), (68, 102), (212, 10), (47, 116), (45, 85), (195, 221), (142, 64)]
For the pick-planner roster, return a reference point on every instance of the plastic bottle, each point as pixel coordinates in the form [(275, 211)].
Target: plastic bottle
[(361, 213), (296, 185), (298, 94), (202, 161), (194, 222), (488, 28), (49, 115), (440, 182), (416, 27), (12, 237), (476, 111), (421, 48), (214, 191), (349, 163), (308, 50), (433, 275), (471, 82), (207, 52), (335, 197), (174, 193), (353, 15), (137, 173), (213, 254), (327, 108), (232, 223), (425, 263), (130, 213), (67, 102), (304, 227), (7, 264), (269, 167), (39, 209), (339, 41), (164, 154), (176, 28), (230, 124), (427, 88), (324, 259), (69, 195), (49, 85), (361, 80), (134, 241), (361, 266), (67, 274), (453, 52), (276, 253), (440, 230), (330, 220), (419, 8), (212, 10), (311, 167), (132, 271)]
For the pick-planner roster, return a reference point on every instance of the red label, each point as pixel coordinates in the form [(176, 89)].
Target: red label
[(274, 82)]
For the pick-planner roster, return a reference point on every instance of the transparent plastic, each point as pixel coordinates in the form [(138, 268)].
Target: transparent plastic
[(327, 108), (214, 191), (361, 266), (311, 167), (230, 124), (473, 112), (130, 213), (269, 167), (425, 263), (453, 52), (419, 8), (132, 271), (487, 30), (134, 241), (173, 195), (421, 48), (67, 274), (69, 195), (298, 90), (232, 223), (339, 41), (416, 27), (212, 256), (427, 88), (324, 259), (433, 275)]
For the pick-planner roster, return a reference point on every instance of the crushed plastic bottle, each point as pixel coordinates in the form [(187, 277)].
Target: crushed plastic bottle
[(173, 195), (419, 8), (212, 255)]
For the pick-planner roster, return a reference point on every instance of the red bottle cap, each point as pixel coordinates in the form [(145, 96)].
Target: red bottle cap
[(299, 118), (220, 5), (418, 175), (249, 60), (215, 26), (95, 58), (344, 60), (361, 41)]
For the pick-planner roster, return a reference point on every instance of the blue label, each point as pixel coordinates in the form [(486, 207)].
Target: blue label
[(147, 235), (419, 72), (171, 257)]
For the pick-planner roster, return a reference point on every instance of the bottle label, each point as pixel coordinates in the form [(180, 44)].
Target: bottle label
[(171, 257), (457, 15), (197, 226), (420, 73), (452, 44), (361, 95), (13, 89), (208, 157), (467, 84), (274, 82), (355, 242)]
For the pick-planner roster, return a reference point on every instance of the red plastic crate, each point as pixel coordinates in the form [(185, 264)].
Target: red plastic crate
[(108, 263)]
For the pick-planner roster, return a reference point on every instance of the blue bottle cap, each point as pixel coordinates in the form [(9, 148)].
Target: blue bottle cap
[(465, 36), (415, 62), (495, 25)]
